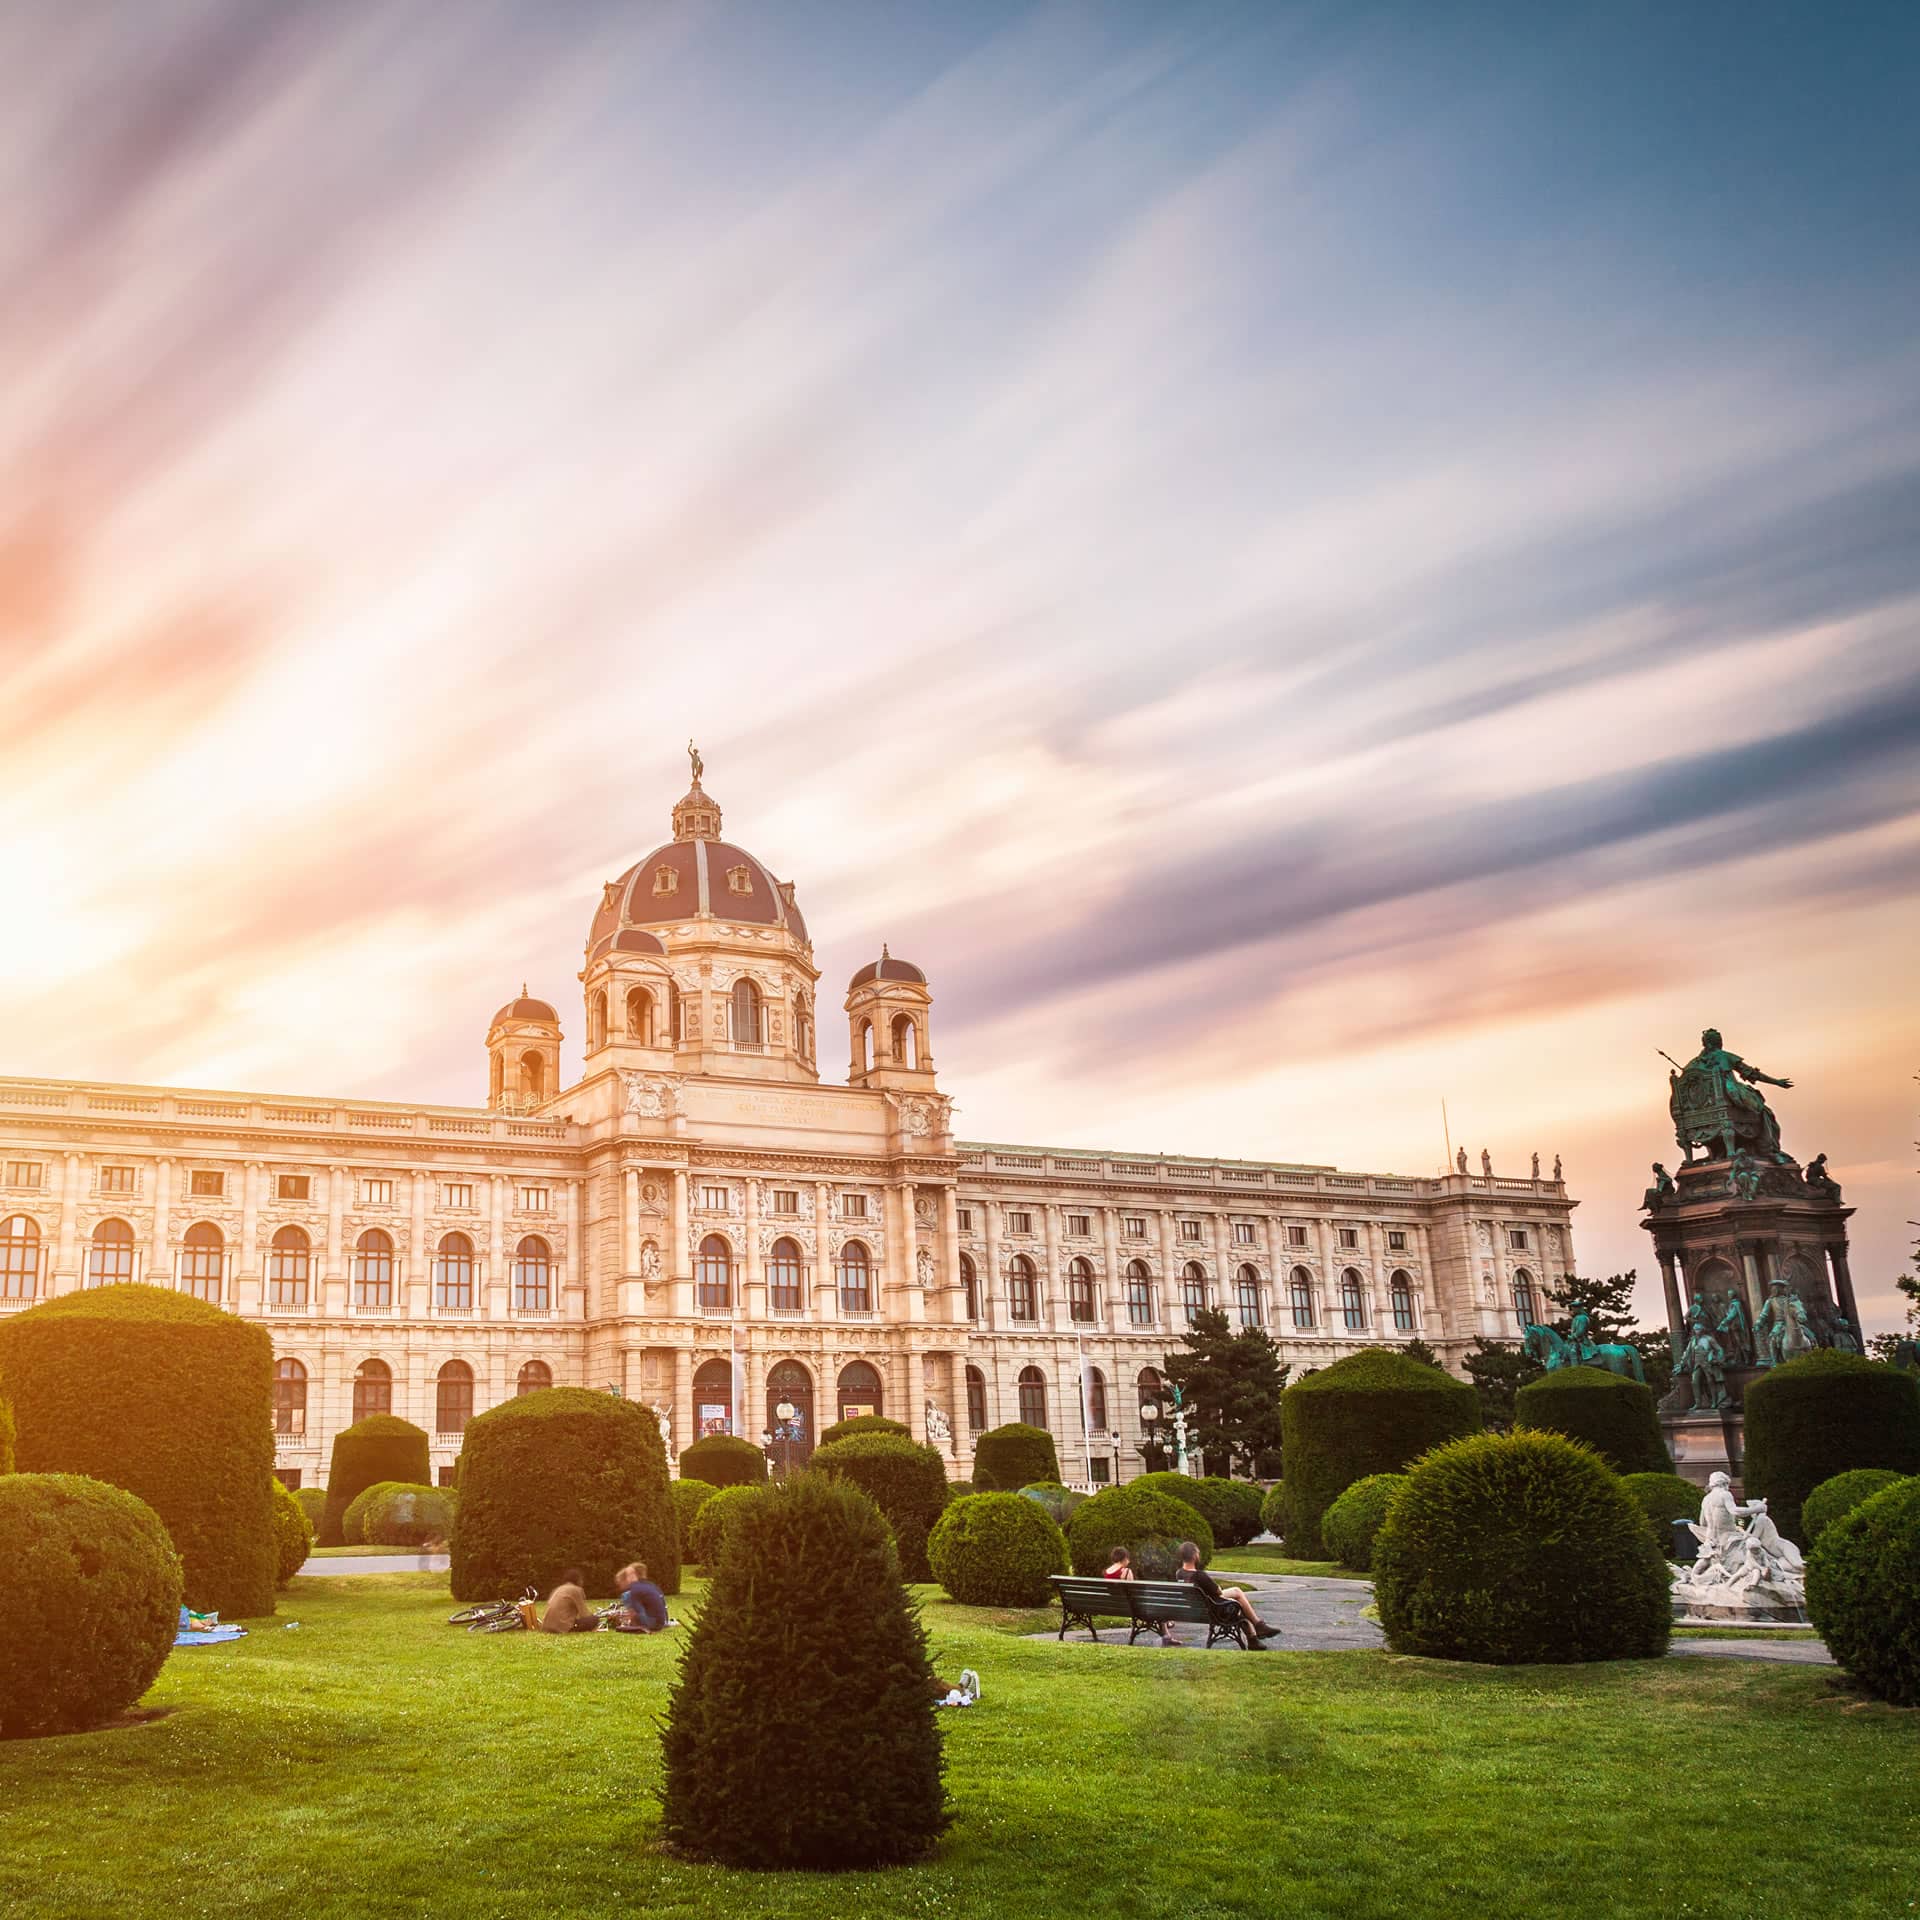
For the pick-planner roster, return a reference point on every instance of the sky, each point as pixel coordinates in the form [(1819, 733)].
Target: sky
[(1303, 561)]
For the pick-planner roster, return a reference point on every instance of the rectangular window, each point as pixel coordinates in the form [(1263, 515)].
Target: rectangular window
[(963, 1219), (1189, 1229), (206, 1186), (1396, 1240), (1349, 1237), (1018, 1221), (376, 1193), (447, 1476), (25, 1173), (457, 1193), (853, 1206), (116, 1179), (1517, 1239), (1135, 1226), (293, 1186), (1243, 1233), (786, 1200), (715, 1199), (1079, 1223), (289, 1477), (1296, 1236), (1098, 1468), (536, 1199)]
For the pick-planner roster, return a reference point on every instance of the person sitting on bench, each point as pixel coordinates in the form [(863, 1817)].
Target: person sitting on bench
[(1253, 1630), (1120, 1567), (567, 1608), (643, 1607)]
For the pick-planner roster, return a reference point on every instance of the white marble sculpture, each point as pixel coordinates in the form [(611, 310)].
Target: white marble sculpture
[(1746, 1572), (939, 1428)]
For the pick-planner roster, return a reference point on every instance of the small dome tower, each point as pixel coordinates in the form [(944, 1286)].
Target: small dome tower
[(887, 1024), (523, 1055)]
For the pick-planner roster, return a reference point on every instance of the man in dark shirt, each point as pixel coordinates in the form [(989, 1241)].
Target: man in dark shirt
[(643, 1605), (1254, 1632)]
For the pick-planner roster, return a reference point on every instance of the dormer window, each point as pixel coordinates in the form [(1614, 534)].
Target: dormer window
[(739, 879), (666, 879)]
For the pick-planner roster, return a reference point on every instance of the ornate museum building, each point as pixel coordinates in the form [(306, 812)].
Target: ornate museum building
[(701, 1223)]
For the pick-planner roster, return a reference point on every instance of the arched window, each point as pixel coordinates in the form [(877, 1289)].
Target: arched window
[(1523, 1302), (373, 1270), (1353, 1301), (970, 1286), (1080, 1292), (533, 1276), (289, 1260), (1193, 1289), (372, 1388), (866, 1043), (453, 1398), (1139, 1294), (1096, 1400), (1400, 1293), (1033, 1396), (1246, 1288), (856, 1278), (749, 1027), (535, 1375), (203, 1256), (110, 1257), (783, 1277), (713, 1398), (596, 1020), (906, 1041), (713, 1275), (453, 1276), (976, 1400), (533, 1074), (859, 1390), (19, 1258), (1022, 1301), (640, 1016), (289, 1397), (1300, 1296), (676, 1013)]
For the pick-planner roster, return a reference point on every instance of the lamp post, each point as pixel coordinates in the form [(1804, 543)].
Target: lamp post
[(1152, 1426), (784, 1435)]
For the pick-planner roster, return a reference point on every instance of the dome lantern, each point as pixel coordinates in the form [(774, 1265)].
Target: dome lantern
[(887, 1024)]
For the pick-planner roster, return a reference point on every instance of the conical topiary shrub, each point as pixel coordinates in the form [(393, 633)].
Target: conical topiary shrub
[(801, 1732), (1612, 1414), (381, 1446)]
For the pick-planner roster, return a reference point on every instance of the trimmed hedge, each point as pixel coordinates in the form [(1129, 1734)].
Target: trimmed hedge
[(563, 1477), (689, 1496), (801, 1731), (170, 1398), (6, 1431), (864, 1423), (1372, 1412), (1820, 1415), (97, 1586), (292, 1534), (1834, 1499), (1664, 1498), (1613, 1415), (1186, 1488), (1007, 1458), (1273, 1509), (1149, 1524), (997, 1550), (313, 1503), (1353, 1522), (394, 1514), (723, 1460), (713, 1524), (380, 1447), (1863, 1592), (1516, 1548), (1058, 1503), (907, 1482)]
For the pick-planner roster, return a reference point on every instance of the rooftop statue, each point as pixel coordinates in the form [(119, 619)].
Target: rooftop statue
[(1717, 1105)]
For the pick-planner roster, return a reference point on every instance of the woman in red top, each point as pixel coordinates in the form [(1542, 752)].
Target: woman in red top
[(1122, 1567)]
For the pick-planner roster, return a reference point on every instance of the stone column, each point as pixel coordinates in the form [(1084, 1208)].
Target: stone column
[(162, 1202), (1432, 1309), (990, 1281), (1327, 1286), (492, 1299), (953, 1299), (679, 1261), (1051, 1277), (68, 1267), (249, 1294), (825, 1302), (629, 1222), (336, 1290), (419, 1293), (753, 1270), (1112, 1294), (1376, 1282), (1166, 1293), (1671, 1287), (682, 1398), (1843, 1290), (573, 1301)]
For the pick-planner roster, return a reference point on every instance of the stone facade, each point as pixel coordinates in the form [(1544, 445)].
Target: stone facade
[(702, 1224)]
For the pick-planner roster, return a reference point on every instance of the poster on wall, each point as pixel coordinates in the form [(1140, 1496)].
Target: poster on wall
[(856, 1410), (713, 1418)]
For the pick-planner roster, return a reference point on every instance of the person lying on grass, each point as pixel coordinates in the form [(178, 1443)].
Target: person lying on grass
[(643, 1607), (567, 1608), (1254, 1631)]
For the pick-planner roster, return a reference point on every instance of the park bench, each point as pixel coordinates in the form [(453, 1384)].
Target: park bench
[(1143, 1603)]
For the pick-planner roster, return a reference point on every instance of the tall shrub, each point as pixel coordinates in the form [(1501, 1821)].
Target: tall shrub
[(170, 1398), (689, 1496), (1148, 1524), (1820, 1415), (723, 1460), (1613, 1415), (292, 1535), (808, 1646), (1863, 1592), (1014, 1456), (906, 1481), (313, 1503), (1372, 1412), (564, 1477), (379, 1447)]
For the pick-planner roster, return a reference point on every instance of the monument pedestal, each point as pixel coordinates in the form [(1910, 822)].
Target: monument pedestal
[(1703, 1444)]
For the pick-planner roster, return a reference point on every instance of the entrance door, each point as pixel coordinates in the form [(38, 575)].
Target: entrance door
[(790, 1415)]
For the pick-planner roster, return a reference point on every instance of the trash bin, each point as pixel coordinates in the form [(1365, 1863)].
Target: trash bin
[(1686, 1543)]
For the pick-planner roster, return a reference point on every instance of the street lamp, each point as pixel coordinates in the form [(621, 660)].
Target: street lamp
[(784, 1435)]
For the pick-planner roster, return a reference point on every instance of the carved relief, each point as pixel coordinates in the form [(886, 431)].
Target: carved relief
[(939, 1430), (923, 1266), (650, 1263), (650, 1096)]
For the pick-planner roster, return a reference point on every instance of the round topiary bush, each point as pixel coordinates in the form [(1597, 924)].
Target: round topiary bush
[(1186, 1488), (562, 1477), (353, 1523), (1863, 1592), (1819, 1415), (808, 1644), (713, 1524), (1613, 1415), (379, 1447), (723, 1460), (1005, 1459), (906, 1481), (170, 1398), (1351, 1524), (1834, 1499), (313, 1503), (1149, 1525), (1372, 1412), (396, 1515), (864, 1423), (1518, 1548), (97, 1582), (1664, 1498), (1273, 1509), (689, 1496), (1233, 1510), (997, 1550), (292, 1534), (1058, 1503)]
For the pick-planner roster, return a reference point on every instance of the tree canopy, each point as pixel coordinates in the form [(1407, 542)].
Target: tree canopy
[(1230, 1384)]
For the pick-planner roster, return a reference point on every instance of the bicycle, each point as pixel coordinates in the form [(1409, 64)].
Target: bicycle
[(493, 1616)]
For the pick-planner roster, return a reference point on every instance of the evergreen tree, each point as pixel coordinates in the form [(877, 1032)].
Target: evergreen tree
[(1608, 1304), (1498, 1370), (1417, 1349), (1230, 1384)]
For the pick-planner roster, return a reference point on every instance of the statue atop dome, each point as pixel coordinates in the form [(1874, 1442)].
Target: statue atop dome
[(693, 756), (1716, 1103)]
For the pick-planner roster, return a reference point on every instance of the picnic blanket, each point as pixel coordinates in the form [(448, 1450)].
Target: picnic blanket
[(204, 1630)]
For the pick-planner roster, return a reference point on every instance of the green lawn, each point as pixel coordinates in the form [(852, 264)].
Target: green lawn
[(1275, 1560), (339, 1553), (377, 1761)]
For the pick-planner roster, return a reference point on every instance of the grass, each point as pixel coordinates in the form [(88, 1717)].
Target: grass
[(1275, 1560), (340, 1553), (378, 1761)]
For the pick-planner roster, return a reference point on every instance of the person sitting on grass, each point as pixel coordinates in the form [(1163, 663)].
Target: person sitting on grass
[(643, 1607), (567, 1608), (1254, 1631)]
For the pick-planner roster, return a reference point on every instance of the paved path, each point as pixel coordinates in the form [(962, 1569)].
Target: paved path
[(377, 1563), (1805, 1653)]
